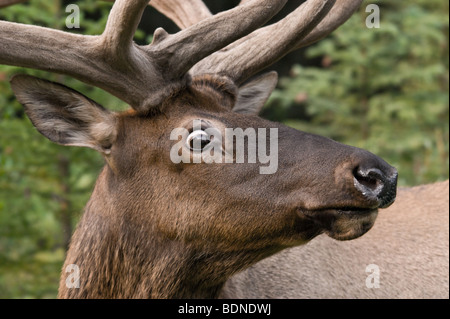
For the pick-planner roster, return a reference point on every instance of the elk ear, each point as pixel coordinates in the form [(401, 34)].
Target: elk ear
[(63, 115), (253, 95), (218, 90)]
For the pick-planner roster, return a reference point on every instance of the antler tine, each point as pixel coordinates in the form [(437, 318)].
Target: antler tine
[(121, 25), (266, 45), (310, 22), (184, 49), (33, 47), (184, 13), (341, 12), (95, 60)]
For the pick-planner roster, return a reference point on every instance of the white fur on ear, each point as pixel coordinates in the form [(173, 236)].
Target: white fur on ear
[(254, 94)]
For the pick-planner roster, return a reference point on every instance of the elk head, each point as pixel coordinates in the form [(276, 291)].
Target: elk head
[(155, 227)]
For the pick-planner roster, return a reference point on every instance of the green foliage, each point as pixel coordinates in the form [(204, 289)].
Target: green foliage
[(385, 90), (43, 186)]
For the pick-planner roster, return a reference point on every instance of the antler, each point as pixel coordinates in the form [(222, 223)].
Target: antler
[(139, 75), (184, 13), (142, 75), (310, 22)]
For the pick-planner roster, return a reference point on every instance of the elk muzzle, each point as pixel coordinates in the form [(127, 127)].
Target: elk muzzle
[(362, 183)]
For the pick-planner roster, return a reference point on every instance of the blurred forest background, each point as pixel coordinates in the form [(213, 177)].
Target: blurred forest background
[(382, 89)]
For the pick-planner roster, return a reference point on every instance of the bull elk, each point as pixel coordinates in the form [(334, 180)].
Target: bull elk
[(158, 229)]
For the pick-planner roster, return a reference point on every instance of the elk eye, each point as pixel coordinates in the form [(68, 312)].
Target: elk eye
[(198, 140)]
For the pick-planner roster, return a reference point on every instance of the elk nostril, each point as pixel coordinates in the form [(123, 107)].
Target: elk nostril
[(370, 179), (374, 184), (369, 182)]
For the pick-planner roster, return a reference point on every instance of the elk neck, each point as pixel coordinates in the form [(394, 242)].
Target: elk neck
[(112, 265)]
